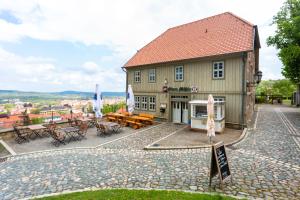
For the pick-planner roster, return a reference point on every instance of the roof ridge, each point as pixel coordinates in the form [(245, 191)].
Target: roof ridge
[(247, 22), (206, 18), (172, 44)]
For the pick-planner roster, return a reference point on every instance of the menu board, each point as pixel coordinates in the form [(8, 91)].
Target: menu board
[(222, 162), (219, 163)]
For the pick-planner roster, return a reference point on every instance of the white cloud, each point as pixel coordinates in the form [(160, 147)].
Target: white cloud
[(37, 74), (124, 26)]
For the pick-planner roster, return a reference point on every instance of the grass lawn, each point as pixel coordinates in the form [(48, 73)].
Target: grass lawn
[(3, 151), (136, 195)]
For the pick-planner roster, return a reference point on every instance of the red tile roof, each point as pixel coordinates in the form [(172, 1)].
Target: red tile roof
[(220, 34)]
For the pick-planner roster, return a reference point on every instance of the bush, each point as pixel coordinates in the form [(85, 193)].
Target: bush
[(37, 120)]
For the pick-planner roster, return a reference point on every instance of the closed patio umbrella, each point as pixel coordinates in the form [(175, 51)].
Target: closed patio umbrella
[(130, 100), (210, 118), (97, 103)]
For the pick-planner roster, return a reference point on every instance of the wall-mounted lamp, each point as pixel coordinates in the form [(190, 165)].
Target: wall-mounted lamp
[(258, 76), (257, 79)]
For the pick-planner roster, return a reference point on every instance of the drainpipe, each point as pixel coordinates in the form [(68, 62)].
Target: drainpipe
[(243, 88), (124, 70)]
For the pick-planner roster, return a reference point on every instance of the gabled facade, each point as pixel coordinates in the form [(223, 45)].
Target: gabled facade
[(218, 55)]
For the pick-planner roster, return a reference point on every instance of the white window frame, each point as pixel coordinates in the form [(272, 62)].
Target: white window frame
[(179, 74), (219, 99), (152, 76), (218, 67), (194, 111), (152, 103), (137, 102), (137, 76), (144, 103)]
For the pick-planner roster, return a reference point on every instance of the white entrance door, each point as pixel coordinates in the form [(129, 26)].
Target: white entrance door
[(177, 112), (185, 112)]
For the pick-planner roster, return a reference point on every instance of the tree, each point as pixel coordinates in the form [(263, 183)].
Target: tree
[(8, 107), (35, 111), (283, 87), (287, 39)]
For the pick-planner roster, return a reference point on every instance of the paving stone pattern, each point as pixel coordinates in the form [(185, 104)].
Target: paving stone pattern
[(264, 165)]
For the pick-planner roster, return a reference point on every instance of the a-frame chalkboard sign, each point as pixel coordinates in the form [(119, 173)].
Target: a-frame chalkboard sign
[(219, 164)]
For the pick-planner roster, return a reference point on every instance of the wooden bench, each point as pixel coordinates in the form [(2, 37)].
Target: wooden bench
[(134, 124), (147, 115), (112, 119)]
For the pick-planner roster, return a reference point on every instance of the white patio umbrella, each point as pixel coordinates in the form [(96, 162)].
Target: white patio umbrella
[(130, 100), (210, 118), (97, 104)]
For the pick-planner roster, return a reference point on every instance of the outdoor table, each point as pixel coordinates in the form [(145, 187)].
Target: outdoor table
[(36, 130), (71, 132), (118, 116), (115, 127), (142, 119), (93, 122), (85, 119), (90, 122)]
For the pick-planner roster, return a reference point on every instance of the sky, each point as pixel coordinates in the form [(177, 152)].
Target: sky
[(58, 45)]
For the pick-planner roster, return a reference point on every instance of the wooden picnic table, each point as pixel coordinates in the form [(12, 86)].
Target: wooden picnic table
[(116, 117), (142, 119)]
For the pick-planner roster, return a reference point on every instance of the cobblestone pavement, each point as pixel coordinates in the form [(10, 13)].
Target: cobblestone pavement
[(264, 165)]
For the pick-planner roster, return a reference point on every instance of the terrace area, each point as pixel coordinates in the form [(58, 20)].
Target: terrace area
[(160, 134)]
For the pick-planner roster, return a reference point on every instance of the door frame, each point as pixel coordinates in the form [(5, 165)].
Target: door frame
[(171, 100)]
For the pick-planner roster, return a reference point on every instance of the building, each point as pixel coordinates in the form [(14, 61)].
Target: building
[(218, 55), (55, 109)]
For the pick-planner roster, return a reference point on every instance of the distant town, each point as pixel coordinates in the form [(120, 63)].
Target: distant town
[(45, 107)]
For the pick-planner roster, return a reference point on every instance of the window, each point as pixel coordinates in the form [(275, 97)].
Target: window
[(151, 75), (199, 111), (220, 108), (137, 76), (219, 98), (152, 103), (218, 69), (179, 73), (144, 103), (137, 102)]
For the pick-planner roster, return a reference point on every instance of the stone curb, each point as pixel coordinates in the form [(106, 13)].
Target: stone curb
[(10, 150), (149, 147), (146, 189)]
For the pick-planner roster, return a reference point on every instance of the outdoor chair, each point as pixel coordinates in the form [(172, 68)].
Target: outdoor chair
[(71, 122), (58, 137), (101, 130), (50, 127), (21, 135), (77, 122), (93, 122), (83, 130), (118, 128)]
